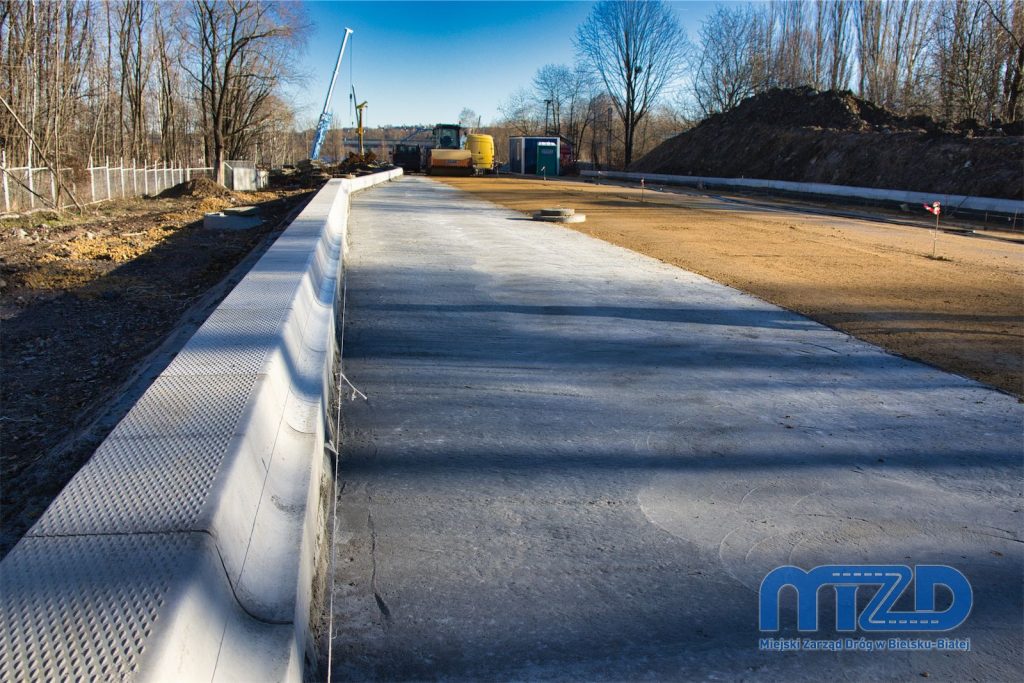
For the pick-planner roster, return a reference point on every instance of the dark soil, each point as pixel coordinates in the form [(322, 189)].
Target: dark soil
[(84, 301), (198, 188), (804, 135)]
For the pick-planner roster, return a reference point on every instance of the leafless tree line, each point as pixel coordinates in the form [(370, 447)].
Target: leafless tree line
[(634, 50), (609, 103), (951, 59), (562, 101), (145, 80)]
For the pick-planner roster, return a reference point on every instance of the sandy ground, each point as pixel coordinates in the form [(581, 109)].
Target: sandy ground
[(962, 311)]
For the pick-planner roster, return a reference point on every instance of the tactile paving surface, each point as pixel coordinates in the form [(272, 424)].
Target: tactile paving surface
[(187, 406), (142, 484), (235, 342), (82, 608), (264, 291)]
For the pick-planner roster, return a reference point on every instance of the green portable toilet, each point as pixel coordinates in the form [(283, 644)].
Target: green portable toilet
[(547, 159)]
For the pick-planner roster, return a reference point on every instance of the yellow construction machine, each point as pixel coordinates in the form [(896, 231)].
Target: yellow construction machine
[(449, 157), (482, 148)]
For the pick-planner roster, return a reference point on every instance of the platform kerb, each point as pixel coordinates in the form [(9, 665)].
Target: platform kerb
[(185, 548)]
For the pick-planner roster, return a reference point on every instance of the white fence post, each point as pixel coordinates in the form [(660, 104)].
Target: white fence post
[(7, 193), (135, 179), (106, 174), (31, 180), (92, 181), (145, 178), (53, 189), (121, 172), (31, 188)]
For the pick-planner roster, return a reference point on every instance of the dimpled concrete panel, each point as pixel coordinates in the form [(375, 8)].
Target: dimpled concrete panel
[(139, 484), (187, 406), (83, 607), (229, 342), (176, 552)]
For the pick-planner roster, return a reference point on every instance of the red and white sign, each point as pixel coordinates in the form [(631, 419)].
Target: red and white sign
[(935, 208)]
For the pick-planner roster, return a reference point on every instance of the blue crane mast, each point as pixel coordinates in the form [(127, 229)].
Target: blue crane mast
[(325, 117)]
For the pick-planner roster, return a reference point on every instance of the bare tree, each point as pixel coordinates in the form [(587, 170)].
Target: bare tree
[(468, 118), (134, 63), (789, 55), (563, 93), (44, 48), (837, 27), (577, 112), (636, 49), (724, 71), (552, 85), (170, 107), (100, 79), (519, 112), (829, 42), (1009, 17), (953, 58), (891, 50), (240, 51), (963, 58)]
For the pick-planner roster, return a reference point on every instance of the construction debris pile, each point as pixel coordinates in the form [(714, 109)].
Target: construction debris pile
[(805, 135), (313, 173)]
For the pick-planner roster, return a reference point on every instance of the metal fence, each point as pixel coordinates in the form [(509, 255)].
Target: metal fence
[(26, 188)]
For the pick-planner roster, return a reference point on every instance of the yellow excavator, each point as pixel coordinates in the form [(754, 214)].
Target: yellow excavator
[(449, 157)]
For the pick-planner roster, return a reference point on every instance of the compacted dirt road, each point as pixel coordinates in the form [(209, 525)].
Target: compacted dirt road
[(963, 311)]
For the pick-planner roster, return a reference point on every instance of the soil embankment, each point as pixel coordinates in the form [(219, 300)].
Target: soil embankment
[(804, 135)]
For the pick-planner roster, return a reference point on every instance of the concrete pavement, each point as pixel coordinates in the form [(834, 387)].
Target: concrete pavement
[(577, 462)]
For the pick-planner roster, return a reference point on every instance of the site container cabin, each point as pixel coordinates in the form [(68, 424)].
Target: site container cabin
[(522, 154)]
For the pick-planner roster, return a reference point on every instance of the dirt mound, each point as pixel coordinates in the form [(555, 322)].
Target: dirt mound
[(804, 135), (806, 107), (197, 188)]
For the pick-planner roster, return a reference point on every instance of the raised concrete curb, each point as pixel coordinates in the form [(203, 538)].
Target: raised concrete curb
[(951, 201), (186, 547)]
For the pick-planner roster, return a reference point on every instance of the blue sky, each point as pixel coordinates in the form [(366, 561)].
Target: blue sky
[(422, 62)]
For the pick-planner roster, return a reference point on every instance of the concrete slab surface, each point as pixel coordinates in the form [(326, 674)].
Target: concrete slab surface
[(577, 462), (226, 221)]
